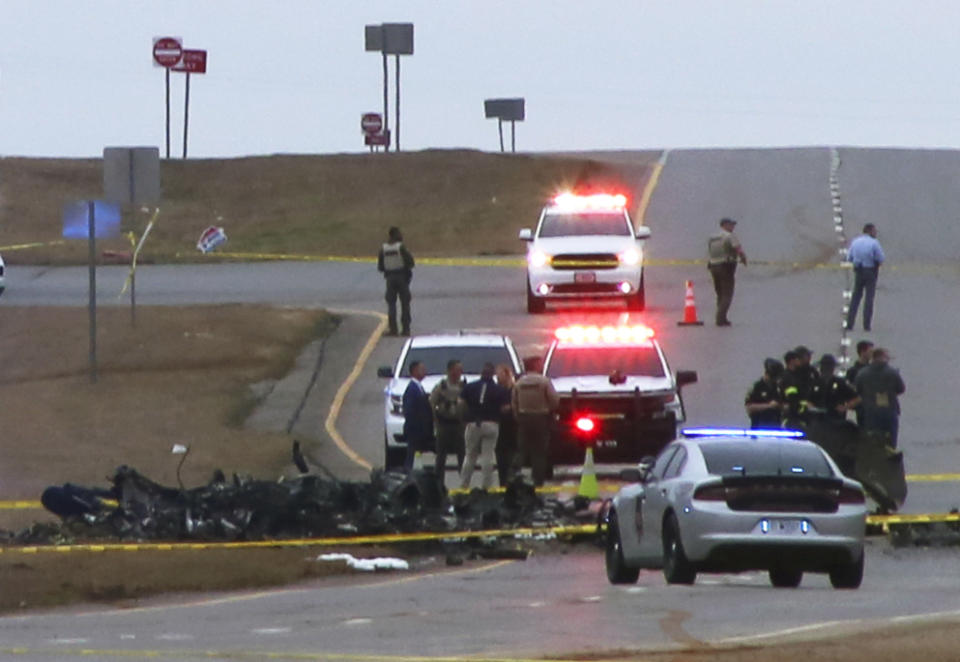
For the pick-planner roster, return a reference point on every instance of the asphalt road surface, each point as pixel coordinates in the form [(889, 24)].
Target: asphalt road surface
[(792, 294)]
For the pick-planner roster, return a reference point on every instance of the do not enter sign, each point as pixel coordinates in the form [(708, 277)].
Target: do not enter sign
[(167, 51), (371, 123)]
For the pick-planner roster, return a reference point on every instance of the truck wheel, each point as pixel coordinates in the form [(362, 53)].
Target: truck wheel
[(535, 304), (618, 572)]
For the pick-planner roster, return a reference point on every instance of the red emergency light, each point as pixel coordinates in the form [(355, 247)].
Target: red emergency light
[(585, 424), (595, 201), (581, 335)]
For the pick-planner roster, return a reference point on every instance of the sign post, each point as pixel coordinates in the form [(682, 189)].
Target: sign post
[(192, 62), (512, 110), (390, 39), (167, 51)]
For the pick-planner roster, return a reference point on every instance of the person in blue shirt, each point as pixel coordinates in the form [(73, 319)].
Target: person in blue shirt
[(866, 255)]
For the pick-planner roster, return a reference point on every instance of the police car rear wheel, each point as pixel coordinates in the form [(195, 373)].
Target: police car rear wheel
[(848, 575), (676, 568), (618, 572), (785, 577)]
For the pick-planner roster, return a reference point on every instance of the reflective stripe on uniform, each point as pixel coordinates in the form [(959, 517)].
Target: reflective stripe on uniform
[(392, 257)]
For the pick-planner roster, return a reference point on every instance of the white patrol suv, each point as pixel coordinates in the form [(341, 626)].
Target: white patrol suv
[(585, 246), (434, 351), (616, 393)]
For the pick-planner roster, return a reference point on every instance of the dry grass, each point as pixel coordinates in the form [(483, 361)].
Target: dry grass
[(176, 378), (336, 204)]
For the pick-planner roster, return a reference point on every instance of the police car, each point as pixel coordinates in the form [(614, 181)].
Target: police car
[(617, 393), (721, 500), (434, 351), (585, 246)]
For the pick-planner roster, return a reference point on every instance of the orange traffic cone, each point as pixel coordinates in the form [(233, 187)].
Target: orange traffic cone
[(689, 309)]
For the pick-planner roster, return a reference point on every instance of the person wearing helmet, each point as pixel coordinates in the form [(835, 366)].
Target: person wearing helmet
[(762, 401)]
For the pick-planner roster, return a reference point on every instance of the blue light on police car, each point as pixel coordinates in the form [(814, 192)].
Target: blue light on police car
[(804, 527), (765, 526), (741, 433), (796, 470)]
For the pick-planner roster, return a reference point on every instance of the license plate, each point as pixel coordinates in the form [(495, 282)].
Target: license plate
[(585, 277), (607, 443), (782, 527)]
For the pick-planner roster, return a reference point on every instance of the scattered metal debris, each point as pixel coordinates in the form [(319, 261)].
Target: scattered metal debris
[(135, 508)]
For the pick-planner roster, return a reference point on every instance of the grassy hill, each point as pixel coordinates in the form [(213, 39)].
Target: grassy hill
[(448, 202)]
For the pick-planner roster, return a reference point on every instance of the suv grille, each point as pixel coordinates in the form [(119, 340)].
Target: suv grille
[(585, 261)]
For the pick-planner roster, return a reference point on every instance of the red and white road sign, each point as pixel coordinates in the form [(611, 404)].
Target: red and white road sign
[(192, 62), (377, 138), (371, 123), (167, 51)]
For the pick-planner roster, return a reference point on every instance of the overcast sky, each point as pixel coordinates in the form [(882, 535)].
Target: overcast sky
[(292, 76)]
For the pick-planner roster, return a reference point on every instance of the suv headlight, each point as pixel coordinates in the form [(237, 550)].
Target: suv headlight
[(396, 404), (537, 258), (630, 257)]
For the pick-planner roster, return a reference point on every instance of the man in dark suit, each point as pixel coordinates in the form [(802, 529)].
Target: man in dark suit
[(417, 415)]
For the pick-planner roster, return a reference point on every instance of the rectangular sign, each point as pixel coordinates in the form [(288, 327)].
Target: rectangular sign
[(131, 175), (377, 138), (192, 62), (511, 110)]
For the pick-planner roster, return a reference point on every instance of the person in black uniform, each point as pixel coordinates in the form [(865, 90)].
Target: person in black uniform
[(763, 401), (396, 264), (833, 394), (796, 388), (864, 352)]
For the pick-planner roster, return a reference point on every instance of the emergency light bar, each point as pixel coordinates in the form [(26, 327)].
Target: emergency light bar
[(741, 433), (607, 334), (572, 201)]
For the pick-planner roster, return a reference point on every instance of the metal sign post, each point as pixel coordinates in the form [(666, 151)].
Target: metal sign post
[(390, 39), (167, 52), (92, 299), (512, 110), (192, 62)]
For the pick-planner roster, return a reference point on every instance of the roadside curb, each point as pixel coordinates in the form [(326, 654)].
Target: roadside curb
[(299, 403)]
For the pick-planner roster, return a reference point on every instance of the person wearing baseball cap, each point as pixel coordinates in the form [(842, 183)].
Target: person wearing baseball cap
[(723, 253)]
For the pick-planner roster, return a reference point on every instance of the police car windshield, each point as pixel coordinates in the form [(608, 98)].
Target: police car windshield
[(632, 361), (585, 223), (752, 458), (472, 358)]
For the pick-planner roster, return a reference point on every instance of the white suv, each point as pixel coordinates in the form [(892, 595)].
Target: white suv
[(585, 246), (434, 351)]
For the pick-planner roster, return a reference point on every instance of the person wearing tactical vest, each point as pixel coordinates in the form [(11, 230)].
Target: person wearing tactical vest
[(723, 252), (396, 264), (445, 399), (534, 402)]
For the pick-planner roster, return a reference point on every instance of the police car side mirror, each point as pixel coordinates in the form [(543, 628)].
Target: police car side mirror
[(526, 234), (643, 232), (685, 377), (385, 371)]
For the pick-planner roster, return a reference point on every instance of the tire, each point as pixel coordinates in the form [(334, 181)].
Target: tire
[(785, 577), (847, 575), (393, 458), (535, 305), (676, 568), (637, 302), (618, 572)]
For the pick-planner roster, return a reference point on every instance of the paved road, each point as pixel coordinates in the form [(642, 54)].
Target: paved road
[(783, 201)]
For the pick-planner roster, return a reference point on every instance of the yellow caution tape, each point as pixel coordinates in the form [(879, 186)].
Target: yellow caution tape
[(452, 536), (20, 505), (36, 244)]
